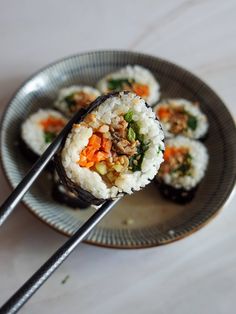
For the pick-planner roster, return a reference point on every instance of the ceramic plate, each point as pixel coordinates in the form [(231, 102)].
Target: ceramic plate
[(143, 219)]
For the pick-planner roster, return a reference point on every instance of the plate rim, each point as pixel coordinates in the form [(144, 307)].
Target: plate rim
[(94, 242), (123, 247)]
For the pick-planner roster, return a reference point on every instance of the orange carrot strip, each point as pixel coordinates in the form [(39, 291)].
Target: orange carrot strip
[(50, 121), (99, 156), (163, 113), (89, 164), (89, 152), (82, 162), (95, 141), (140, 90), (167, 153), (106, 145)]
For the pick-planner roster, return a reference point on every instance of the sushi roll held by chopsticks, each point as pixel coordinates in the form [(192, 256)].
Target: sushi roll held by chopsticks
[(116, 149)]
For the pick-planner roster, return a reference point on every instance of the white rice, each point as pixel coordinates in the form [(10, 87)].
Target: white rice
[(199, 164), (128, 181), (32, 132), (137, 73), (62, 105), (191, 108)]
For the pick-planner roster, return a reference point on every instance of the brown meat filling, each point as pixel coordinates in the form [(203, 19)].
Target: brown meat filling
[(120, 144)]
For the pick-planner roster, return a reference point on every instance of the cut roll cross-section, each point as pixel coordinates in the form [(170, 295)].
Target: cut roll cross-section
[(39, 130), (116, 149), (73, 98), (133, 78), (182, 117), (184, 167)]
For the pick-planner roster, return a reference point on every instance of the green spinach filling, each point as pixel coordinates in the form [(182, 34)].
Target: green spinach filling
[(185, 167), (49, 137), (135, 161), (118, 84), (70, 100), (192, 122)]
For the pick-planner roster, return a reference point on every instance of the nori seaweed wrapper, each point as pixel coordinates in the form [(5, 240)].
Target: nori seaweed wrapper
[(180, 196), (64, 197), (204, 137), (86, 198)]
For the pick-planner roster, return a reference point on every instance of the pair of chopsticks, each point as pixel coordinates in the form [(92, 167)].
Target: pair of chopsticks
[(21, 296)]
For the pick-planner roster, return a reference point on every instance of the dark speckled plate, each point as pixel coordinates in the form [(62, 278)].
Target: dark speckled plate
[(143, 219)]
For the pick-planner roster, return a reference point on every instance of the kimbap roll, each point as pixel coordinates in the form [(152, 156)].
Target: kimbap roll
[(39, 130), (74, 98), (62, 195), (184, 166), (116, 149), (132, 78), (181, 117)]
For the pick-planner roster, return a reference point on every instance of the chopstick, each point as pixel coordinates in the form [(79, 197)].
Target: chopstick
[(14, 198), (14, 304), (45, 271)]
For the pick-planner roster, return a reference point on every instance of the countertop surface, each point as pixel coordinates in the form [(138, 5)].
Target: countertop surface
[(194, 275)]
